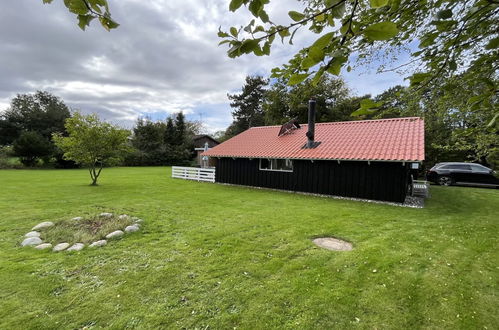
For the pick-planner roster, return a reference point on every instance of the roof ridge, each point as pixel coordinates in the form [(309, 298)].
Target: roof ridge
[(349, 122)]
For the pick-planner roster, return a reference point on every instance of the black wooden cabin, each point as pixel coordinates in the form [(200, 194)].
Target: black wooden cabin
[(367, 159)]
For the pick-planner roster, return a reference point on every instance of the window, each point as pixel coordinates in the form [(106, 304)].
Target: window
[(480, 168), (283, 165), (457, 167)]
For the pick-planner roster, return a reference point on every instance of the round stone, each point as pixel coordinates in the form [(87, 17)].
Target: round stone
[(123, 216), (131, 229), (106, 215), (60, 247), (333, 244), (76, 247), (77, 218), (43, 225), (31, 241), (32, 234), (115, 234), (99, 243), (43, 246)]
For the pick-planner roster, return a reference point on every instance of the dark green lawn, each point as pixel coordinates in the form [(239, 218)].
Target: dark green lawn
[(214, 256)]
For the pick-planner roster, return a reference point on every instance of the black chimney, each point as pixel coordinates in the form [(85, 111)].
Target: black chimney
[(311, 126)]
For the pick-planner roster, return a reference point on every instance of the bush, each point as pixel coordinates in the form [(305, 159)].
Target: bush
[(31, 146)]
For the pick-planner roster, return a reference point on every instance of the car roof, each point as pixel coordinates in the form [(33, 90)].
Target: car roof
[(458, 163)]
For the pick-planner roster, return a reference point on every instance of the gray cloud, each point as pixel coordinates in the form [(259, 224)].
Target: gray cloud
[(163, 58)]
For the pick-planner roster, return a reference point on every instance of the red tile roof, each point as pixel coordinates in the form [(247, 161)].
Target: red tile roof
[(399, 139)]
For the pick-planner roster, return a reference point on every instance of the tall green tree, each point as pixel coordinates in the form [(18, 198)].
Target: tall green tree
[(92, 143), (40, 112), (247, 105), (283, 103), (180, 129)]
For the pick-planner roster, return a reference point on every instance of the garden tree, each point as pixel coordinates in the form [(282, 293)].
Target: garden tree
[(41, 112), (92, 143), (453, 36), (247, 105), (180, 129), (169, 131), (160, 143), (455, 128), (31, 146), (392, 104), (473, 131), (283, 103), (148, 135), (148, 143), (183, 146), (88, 10)]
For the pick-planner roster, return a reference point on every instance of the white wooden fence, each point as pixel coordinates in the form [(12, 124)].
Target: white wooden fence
[(194, 173)]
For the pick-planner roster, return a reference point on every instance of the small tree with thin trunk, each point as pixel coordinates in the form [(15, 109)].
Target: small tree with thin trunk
[(92, 143)]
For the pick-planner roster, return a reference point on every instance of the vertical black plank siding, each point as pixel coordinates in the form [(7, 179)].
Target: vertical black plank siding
[(385, 181)]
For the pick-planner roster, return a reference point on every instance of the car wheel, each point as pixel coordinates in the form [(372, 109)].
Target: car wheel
[(445, 181)]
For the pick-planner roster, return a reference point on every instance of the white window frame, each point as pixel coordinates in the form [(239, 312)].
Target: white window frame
[(274, 170)]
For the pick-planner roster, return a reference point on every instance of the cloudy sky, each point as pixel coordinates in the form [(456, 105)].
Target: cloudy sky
[(163, 58)]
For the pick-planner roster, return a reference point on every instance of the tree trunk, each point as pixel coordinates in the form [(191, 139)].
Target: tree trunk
[(94, 173)]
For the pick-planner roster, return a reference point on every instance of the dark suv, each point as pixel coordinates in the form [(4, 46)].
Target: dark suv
[(447, 174)]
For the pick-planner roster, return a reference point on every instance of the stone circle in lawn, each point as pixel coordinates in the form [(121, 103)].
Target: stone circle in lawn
[(333, 244), (78, 232)]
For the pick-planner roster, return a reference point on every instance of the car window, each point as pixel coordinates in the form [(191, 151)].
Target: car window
[(478, 168), (457, 167)]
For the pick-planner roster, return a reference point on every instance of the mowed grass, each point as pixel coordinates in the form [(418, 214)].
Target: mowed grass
[(212, 256)]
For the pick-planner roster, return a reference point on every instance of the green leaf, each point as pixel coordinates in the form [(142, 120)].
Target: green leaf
[(493, 121), (418, 78), (381, 31), (77, 7), (428, 40), (234, 51), (317, 77), (493, 44), (444, 14), (336, 64), (234, 32), (316, 53), (323, 41), (84, 21), (284, 33), (339, 11), (108, 23), (378, 3), (297, 78), (367, 106), (222, 34), (255, 7), (308, 62), (452, 65), (444, 26), (296, 16), (235, 4), (248, 46), (264, 16), (266, 48)]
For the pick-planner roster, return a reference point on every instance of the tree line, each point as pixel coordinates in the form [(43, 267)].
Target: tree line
[(28, 127), (456, 129)]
